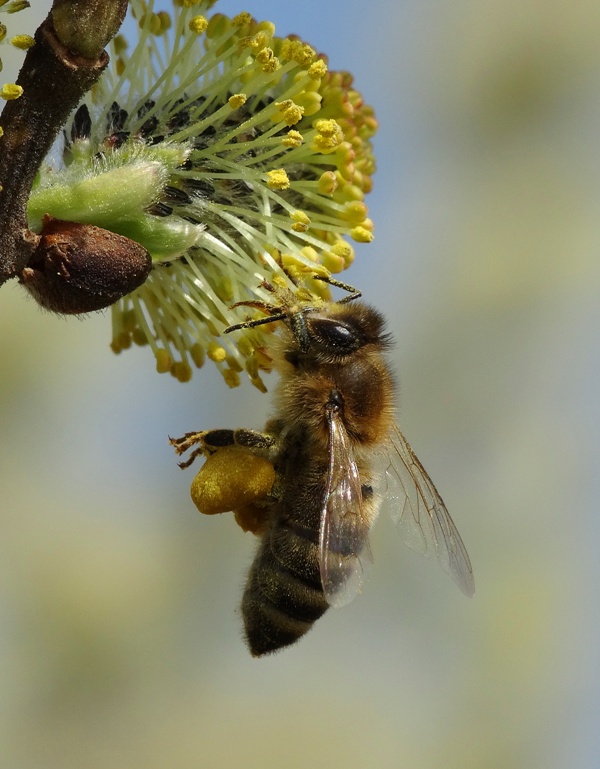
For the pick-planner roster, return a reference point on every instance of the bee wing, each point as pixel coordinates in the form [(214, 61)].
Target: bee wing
[(421, 515), (344, 531)]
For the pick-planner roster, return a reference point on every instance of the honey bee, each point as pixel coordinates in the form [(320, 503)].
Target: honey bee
[(335, 451)]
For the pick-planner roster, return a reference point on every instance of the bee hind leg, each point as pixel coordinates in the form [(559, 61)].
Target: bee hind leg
[(210, 441)]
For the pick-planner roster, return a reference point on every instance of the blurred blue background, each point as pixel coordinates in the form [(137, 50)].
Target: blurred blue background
[(120, 639)]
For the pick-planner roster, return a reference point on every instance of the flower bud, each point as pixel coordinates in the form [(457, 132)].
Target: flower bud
[(79, 268)]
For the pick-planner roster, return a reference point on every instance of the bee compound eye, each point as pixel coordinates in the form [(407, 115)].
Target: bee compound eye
[(335, 336)]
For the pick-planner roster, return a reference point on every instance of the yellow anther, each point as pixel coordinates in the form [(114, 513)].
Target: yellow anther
[(301, 221), (237, 100), (182, 371), (165, 21), (292, 139), (361, 235), (277, 179), (242, 19), (328, 183), (356, 211), (216, 353), (163, 361), (198, 355), (289, 112), (119, 44), (23, 42), (231, 377), (10, 91), (318, 69), (198, 25)]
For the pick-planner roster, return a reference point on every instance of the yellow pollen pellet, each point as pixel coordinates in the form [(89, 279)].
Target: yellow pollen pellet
[(198, 25), (237, 100), (277, 179), (23, 42), (216, 353), (292, 139)]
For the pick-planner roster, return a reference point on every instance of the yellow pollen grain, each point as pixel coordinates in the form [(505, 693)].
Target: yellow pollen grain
[(1, 132), (189, 3), (198, 25), (23, 42), (216, 353), (292, 139), (277, 179), (237, 100), (10, 91)]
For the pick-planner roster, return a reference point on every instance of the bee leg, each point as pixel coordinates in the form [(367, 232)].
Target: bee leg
[(210, 441)]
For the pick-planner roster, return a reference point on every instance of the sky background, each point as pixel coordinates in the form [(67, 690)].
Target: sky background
[(120, 639)]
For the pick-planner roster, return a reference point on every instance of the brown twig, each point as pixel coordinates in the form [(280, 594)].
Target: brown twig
[(66, 60)]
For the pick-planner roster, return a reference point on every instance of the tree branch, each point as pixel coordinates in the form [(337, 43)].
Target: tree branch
[(54, 77)]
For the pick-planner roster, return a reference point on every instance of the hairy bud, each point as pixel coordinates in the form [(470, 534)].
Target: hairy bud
[(79, 268)]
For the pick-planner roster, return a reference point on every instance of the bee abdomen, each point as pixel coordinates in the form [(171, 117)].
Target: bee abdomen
[(283, 597)]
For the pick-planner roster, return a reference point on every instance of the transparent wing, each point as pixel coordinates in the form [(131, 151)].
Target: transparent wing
[(421, 515), (344, 532)]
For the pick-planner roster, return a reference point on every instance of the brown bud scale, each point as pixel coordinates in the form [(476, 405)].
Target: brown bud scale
[(79, 268)]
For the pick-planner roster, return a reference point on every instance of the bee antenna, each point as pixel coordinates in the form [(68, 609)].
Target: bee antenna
[(258, 322), (354, 292)]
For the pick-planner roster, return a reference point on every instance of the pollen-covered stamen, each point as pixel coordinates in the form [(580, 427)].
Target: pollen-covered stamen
[(229, 153)]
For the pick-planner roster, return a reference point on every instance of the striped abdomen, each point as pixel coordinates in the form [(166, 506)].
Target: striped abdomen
[(283, 596)]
